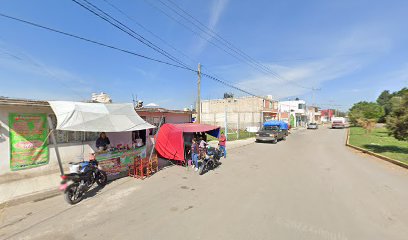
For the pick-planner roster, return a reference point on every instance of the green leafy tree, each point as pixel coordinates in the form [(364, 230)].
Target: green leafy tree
[(384, 100), (397, 121), (401, 92), (365, 114)]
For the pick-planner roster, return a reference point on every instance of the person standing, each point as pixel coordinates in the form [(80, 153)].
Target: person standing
[(222, 142), (194, 153)]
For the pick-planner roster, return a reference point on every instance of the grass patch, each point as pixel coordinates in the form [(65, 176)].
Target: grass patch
[(233, 136), (380, 142)]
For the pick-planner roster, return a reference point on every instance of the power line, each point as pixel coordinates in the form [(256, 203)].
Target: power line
[(126, 51), (149, 31), (105, 16), (92, 41), (122, 24), (161, 50), (161, 39), (212, 34)]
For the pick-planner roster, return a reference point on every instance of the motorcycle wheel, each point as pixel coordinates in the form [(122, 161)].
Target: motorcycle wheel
[(102, 179), (71, 195), (201, 169)]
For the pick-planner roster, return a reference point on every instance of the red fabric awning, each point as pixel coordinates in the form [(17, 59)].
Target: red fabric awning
[(170, 141)]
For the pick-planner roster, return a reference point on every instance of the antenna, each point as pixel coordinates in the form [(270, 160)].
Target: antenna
[(134, 101)]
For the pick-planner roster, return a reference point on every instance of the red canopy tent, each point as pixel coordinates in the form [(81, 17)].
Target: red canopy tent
[(170, 140)]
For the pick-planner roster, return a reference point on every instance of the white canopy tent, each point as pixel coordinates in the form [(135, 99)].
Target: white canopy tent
[(94, 117), (97, 117)]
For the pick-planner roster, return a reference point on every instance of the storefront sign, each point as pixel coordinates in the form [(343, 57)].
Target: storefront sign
[(28, 140)]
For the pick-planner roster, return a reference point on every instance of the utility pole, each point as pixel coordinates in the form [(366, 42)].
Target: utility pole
[(199, 94)]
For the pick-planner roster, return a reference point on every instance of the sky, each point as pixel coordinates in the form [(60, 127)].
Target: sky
[(348, 51)]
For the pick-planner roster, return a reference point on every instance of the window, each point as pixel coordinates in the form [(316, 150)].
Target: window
[(301, 106), (72, 136)]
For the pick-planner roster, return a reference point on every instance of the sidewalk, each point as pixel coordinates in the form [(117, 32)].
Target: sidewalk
[(23, 190), (34, 188), (234, 144)]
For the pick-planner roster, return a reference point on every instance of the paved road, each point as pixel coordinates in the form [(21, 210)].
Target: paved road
[(309, 187)]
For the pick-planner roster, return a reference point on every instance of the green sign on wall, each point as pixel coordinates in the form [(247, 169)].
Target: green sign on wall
[(28, 140), (292, 121)]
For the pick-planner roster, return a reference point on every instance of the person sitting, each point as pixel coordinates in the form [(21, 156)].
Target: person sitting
[(202, 147), (102, 142)]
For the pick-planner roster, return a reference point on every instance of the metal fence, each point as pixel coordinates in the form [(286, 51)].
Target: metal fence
[(239, 125)]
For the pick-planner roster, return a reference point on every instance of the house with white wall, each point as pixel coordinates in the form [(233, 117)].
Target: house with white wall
[(294, 112)]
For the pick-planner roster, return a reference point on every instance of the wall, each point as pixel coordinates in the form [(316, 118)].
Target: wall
[(170, 117), (69, 151), (120, 138), (178, 118), (241, 112)]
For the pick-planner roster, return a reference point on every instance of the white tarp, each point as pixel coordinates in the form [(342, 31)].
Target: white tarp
[(97, 117)]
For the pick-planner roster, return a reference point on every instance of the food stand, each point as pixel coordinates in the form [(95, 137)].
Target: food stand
[(171, 139), (118, 120)]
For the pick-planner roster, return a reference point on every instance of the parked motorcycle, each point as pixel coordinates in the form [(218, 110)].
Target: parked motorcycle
[(210, 160), (80, 179)]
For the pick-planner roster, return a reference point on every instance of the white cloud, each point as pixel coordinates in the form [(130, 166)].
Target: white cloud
[(20, 63), (313, 73), (217, 8), (296, 80)]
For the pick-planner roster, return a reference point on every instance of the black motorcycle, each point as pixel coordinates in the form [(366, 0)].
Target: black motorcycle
[(210, 160), (83, 175)]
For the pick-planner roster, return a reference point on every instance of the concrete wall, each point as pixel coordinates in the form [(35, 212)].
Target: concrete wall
[(241, 112), (170, 117), (248, 104), (235, 120), (178, 118)]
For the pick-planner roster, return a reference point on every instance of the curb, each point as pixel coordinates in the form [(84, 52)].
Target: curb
[(396, 162), (237, 146), (34, 197), (245, 143)]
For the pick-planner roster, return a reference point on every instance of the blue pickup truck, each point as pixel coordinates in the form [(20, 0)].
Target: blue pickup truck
[(272, 131)]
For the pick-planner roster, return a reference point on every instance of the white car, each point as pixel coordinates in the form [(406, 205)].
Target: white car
[(312, 126)]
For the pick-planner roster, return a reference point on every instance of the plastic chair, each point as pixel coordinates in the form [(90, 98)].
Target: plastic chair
[(135, 169), (154, 164)]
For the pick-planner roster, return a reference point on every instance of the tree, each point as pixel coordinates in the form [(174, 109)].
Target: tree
[(397, 121), (228, 95), (365, 114), (384, 101)]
